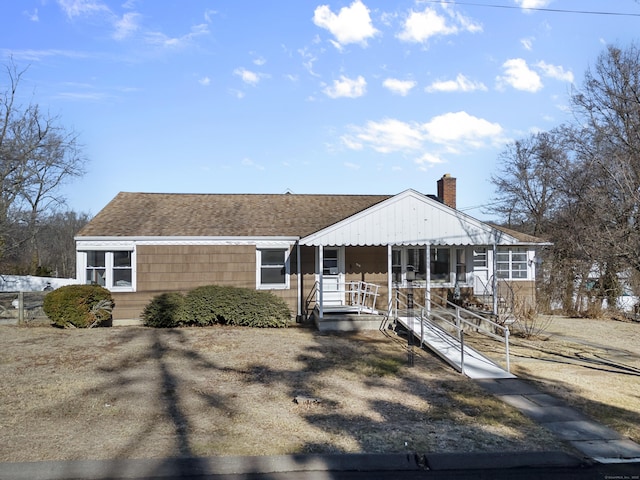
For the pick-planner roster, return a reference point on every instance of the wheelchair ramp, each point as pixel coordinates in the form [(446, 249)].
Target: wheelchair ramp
[(448, 348)]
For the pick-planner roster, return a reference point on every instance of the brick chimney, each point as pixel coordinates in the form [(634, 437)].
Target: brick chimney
[(447, 190)]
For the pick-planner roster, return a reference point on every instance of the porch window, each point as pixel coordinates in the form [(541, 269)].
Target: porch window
[(461, 265), (273, 268), (511, 264), (109, 269), (405, 260), (416, 262), (479, 258), (440, 264)]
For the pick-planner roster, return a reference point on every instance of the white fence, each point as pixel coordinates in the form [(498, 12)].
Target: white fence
[(29, 283)]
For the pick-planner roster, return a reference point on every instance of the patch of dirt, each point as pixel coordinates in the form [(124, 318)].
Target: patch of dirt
[(594, 364), (134, 392)]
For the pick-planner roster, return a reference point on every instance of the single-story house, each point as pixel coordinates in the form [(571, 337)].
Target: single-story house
[(318, 252)]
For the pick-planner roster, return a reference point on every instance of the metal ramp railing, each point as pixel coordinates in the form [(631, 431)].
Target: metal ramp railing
[(359, 297), (442, 328)]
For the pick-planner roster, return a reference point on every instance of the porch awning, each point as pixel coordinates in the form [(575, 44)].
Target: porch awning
[(409, 218)]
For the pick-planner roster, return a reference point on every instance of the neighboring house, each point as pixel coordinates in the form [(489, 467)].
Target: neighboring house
[(311, 250)]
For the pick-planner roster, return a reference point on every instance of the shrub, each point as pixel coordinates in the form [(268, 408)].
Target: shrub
[(82, 306), (236, 306), (165, 311)]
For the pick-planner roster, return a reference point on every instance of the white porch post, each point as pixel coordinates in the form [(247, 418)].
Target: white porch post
[(494, 267), (427, 296), (320, 281), (390, 276), (299, 274)]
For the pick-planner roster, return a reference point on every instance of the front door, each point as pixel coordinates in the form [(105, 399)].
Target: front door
[(333, 287), (481, 285)]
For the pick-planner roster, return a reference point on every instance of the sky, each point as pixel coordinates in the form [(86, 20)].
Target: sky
[(330, 97)]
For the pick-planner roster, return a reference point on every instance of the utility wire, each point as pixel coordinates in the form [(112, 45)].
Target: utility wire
[(539, 9)]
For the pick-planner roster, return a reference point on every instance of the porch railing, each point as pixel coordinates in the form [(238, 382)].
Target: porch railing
[(359, 296), (448, 317)]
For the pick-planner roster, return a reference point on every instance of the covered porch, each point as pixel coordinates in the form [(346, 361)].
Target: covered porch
[(408, 241)]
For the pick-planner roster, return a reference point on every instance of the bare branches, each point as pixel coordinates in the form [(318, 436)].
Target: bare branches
[(579, 185), (37, 155)]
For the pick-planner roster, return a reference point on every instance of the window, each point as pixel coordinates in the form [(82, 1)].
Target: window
[(405, 260), (273, 268), (416, 262), (396, 265), (330, 262), (511, 264), (479, 258), (96, 268), (440, 264), (461, 265), (109, 269)]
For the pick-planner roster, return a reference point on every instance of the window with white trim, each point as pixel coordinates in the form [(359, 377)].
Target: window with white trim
[(440, 264), (109, 269), (512, 264), (446, 264), (273, 268)]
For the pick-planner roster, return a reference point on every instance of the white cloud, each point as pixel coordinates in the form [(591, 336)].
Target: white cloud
[(460, 127), (308, 59), (76, 8), (518, 75), (555, 71), (532, 3), (33, 16), (453, 131), (460, 84), (427, 160), (387, 136), (420, 26), (208, 15), (400, 87), (126, 25), (527, 43), (351, 25), (247, 76), (159, 38), (205, 81), (347, 87)]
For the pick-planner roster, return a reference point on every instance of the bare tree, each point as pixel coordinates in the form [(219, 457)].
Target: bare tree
[(579, 185), (607, 145), (526, 187), (37, 155)]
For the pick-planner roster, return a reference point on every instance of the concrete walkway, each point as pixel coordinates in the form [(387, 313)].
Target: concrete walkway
[(595, 441), (591, 438)]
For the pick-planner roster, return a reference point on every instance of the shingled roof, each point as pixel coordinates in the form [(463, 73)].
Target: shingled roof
[(223, 215)]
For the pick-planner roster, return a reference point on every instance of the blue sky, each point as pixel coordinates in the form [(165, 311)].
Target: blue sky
[(252, 96)]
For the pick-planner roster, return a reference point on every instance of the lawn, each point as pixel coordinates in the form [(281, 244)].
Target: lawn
[(135, 392)]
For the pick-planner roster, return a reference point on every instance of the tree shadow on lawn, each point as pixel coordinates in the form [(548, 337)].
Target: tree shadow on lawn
[(442, 411)]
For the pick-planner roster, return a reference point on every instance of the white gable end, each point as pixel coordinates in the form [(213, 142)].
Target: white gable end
[(409, 218)]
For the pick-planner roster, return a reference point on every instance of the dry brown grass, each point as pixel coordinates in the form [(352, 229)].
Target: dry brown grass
[(142, 393), (592, 363)]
